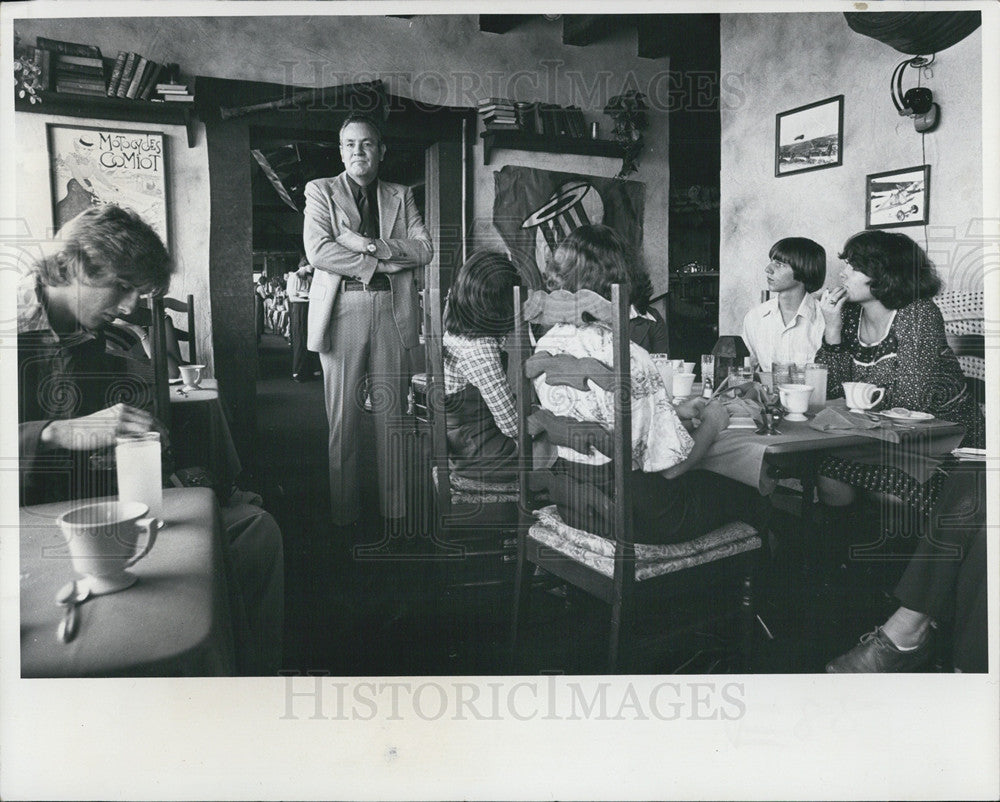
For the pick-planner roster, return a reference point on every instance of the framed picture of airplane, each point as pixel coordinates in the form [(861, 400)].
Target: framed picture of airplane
[(809, 137), (898, 198)]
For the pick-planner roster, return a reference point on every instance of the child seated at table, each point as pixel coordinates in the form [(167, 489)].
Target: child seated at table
[(671, 501), (788, 327), (481, 419)]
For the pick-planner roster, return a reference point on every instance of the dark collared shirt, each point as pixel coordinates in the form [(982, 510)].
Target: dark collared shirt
[(369, 226)]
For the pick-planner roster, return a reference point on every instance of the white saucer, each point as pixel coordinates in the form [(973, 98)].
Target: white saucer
[(190, 388), (859, 411), (110, 583), (898, 413), (178, 380)]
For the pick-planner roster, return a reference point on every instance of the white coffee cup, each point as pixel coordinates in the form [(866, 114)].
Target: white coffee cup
[(191, 374), (682, 384), (795, 400), (862, 395), (688, 367), (103, 540)]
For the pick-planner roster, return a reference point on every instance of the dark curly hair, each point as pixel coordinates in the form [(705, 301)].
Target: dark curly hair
[(899, 270), (481, 301), (593, 257), (806, 258)]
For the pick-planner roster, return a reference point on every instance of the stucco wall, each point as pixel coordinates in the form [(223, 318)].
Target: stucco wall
[(442, 59), (187, 199), (782, 61)]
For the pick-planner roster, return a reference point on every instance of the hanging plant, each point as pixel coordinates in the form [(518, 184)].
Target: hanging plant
[(628, 111), (27, 74)]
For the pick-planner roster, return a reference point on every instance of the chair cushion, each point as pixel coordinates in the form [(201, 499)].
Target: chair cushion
[(472, 491), (598, 552)]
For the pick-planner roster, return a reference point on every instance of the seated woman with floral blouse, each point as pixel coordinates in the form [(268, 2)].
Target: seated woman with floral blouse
[(671, 502)]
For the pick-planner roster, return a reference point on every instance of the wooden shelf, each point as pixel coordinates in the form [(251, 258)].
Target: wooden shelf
[(520, 140), (112, 108)]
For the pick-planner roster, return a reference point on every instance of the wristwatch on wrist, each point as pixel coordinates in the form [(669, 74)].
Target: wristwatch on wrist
[(370, 247)]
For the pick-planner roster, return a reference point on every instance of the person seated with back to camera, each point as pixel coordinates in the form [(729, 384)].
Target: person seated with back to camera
[(480, 414), (789, 326), (105, 258), (672, 502)]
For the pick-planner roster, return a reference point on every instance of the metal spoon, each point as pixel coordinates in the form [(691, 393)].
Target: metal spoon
[(71, 595)]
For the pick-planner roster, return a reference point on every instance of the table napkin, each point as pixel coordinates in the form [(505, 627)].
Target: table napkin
[(831, 419)]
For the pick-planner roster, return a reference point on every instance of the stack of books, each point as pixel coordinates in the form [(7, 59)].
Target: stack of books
[(173, 92), (74, 68), (498, 114), (134, 76)]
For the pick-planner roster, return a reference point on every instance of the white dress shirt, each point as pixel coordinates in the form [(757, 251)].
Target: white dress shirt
[(770, 339)]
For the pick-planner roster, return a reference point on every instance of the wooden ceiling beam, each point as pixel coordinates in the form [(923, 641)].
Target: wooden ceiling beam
[(501, 23), (688, 39), (586, 29)]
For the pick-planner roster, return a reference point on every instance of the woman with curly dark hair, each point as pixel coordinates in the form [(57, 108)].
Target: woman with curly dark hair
[(882, 327)]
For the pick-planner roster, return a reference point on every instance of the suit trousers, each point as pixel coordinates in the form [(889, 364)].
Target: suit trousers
[(298, 316), (365, 344)]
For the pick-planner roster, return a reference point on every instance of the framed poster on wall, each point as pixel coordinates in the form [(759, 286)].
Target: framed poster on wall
[(898, 198), (90, 166), (809, 137)]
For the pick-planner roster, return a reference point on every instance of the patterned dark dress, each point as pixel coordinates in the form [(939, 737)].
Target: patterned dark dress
[(918, 371)]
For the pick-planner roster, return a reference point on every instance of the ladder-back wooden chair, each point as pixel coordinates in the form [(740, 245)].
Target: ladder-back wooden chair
[(474, 522), (158, 356), (608, 565), (185, 335)]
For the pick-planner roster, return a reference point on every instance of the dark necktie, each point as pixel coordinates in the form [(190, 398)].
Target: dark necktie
[(369, 228)]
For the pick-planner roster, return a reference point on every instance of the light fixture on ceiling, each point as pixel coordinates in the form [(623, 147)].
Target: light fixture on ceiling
[(918, 102)]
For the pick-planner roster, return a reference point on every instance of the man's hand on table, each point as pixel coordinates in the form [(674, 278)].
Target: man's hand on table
[(100, 429)]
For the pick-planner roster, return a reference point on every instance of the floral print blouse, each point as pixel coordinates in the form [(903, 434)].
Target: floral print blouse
[(659, 439)]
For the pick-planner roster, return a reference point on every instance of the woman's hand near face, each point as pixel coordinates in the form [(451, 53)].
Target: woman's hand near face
[(831, 304)]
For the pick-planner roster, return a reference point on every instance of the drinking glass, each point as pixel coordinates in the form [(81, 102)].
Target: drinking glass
[(140, 477), (779, 373), (815, 375)]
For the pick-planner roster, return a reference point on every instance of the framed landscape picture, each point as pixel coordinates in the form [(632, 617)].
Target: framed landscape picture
[(898, 198), (809, 137), (90, 166)]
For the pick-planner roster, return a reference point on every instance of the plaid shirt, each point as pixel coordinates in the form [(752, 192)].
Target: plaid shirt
[(477, 361)]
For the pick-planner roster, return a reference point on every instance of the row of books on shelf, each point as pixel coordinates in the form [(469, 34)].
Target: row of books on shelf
[(81, 70), (548, 119)]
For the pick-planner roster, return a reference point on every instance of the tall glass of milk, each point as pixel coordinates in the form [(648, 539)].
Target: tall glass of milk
[(140, 477)]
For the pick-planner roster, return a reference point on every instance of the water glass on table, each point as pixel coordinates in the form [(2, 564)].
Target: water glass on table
[(140, 476), (815, 377)]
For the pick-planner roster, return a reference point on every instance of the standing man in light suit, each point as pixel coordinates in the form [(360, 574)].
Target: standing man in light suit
[(364, 237)]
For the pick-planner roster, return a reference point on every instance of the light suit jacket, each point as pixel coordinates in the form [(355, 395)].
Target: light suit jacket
[(330, 209)]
